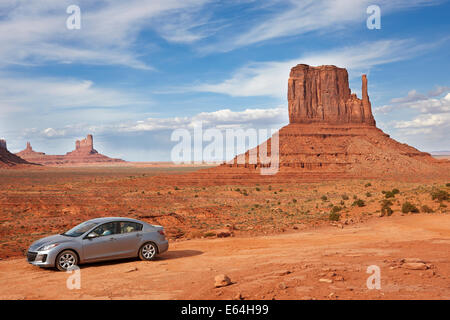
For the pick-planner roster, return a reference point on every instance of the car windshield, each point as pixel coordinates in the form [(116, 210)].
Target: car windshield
[(80, 229)]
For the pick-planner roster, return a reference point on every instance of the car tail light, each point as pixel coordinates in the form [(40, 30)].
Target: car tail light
[(161, 232)]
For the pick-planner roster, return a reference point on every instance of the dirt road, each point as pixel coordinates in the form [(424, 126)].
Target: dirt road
[(326, 263)]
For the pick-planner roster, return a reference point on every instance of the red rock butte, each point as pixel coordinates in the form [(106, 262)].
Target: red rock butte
[(8, 159), (84, 153), (332, 134)]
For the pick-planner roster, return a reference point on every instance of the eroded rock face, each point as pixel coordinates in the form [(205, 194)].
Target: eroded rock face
[(332, 134), (322, 94), (7, 159)]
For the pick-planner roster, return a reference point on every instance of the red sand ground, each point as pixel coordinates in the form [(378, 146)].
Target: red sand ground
[(283, 241), (287, 266)]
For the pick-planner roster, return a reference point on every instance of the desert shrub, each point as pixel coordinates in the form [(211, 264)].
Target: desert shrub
[(395, 191), (342, 202), (334, 216), (258, 189), (368, 184), (409, 207), (368, 194), (426, 209), (447, 184), (238, 190), (355, 197), (388, 194), (359, 203), (270, 188), (176, 188), (386, 211), (336, 209), (344, 197), (196, 196), (209, 234), (324, 198), (439, 195), (294, 200)]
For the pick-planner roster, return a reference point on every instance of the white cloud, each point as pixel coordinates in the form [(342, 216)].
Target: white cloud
[(269, 78), (20, 94), (34, 32), (221, 118), (293, 17), (425, 120)]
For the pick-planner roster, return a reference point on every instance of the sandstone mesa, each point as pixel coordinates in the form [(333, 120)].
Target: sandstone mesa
[(84, 153), (332, 133)]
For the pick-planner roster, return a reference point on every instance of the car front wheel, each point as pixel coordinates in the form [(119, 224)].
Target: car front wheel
[(66, 260), (147, 251)]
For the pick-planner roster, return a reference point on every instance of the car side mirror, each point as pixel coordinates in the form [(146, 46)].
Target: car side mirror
[(91, 235)]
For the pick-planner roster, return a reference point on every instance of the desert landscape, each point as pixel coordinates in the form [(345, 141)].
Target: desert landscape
[(346, 197)]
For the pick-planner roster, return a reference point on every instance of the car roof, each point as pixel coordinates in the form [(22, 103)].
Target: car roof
[(111, 219)]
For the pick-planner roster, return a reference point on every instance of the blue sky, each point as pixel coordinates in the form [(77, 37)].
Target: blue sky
[(137, 70)]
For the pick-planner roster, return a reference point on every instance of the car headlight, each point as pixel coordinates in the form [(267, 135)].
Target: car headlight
[(48, 247)]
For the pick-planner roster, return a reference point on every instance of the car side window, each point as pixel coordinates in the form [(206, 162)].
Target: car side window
[(127, 227), (106, 229)]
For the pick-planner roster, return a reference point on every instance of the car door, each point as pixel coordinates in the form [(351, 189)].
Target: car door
[(128, 238), (103, 245)]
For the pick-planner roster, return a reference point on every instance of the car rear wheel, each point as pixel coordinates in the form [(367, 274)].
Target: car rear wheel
[(148, 251), (66, 260)]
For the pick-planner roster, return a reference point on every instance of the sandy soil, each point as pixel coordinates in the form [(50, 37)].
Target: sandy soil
[(286, 266)]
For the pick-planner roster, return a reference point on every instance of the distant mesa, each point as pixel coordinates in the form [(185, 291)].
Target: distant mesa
[(331, 134), (8, 159), (84, 153)]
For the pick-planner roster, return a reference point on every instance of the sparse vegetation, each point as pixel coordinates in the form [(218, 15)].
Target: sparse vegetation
[(368, 185), (345, 197), (426, 209), (359, 203), (409, 207), (324, 198), (368, 194), (334, 216), (439, 195)]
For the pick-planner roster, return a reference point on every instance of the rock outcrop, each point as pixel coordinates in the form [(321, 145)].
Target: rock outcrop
[(332, 134), (84, 153), (322, 94), (8, 159)]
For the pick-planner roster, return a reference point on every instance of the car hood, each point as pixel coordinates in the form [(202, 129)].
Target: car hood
[(57, 238)]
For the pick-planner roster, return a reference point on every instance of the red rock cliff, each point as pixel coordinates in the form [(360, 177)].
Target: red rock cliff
[(322, 94)]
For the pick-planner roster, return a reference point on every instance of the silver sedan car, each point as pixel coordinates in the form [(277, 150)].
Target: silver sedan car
[(98, 240)]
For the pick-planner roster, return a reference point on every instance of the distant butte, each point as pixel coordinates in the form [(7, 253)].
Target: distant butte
[(84, 153), (332, 134), (8, 159)]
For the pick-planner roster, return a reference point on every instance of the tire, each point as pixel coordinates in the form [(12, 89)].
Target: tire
[(66, 259), (148, 251)]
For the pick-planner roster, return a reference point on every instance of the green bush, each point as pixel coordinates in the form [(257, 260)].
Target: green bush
[(439, 195), (426, 209), (368, 184), (447, 185), (334, 216), (395, 191), (386, 211), (335, 209), (368, 194), (389, 194), (409, 207), (359, 203), (324, 198)]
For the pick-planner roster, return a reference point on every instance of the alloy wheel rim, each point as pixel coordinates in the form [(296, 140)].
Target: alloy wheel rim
[(67, 261), (148, 251)]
